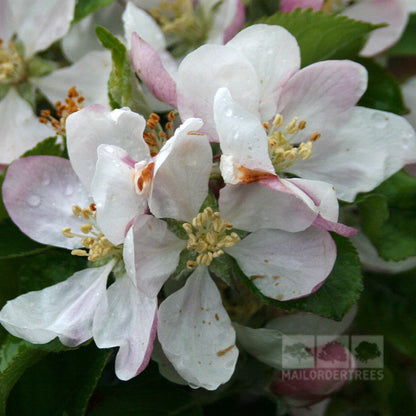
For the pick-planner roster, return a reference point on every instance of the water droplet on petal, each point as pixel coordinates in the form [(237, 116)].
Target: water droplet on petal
[(69, 190), (46, 180), (33, 201), (379, 120)]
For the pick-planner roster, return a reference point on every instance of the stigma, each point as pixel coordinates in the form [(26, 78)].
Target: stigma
[(283, 153), (96, 244), (208, 234)]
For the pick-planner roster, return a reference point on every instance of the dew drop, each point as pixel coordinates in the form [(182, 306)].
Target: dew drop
[(33, 200), (69, 190), (379, 120), (46, 180)]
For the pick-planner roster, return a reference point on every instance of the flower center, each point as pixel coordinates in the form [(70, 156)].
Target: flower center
[(97, 246), (73, 103), (155, 136), (208, 234), (282, 153), (12, 66), (185, 26)]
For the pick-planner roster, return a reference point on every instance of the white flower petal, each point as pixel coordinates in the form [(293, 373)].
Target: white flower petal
[(196, 86), (94, 125), (275, 54), (8, 25), (42, 22), (114, 193), (137, 20), (20, 129), (181, 174), (156, 253), (89, 75), (369, 148), (285, 265), (409, 94), (253, 206), (392, 12), (196, 333), (126, 318), (242, 136), (65, 310), (322, 94), (39, 192)]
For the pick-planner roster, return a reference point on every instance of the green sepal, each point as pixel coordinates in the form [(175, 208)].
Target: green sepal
[(38, 67), (85, 7)]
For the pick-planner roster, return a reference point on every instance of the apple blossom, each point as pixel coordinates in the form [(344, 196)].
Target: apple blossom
[(392, 12), (315, 106), (27, 28)]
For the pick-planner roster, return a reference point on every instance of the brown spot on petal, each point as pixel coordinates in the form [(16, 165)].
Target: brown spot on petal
[(276, 277), (254, 277), (246, 175), (223, 352), (217, 317), (280, 297)]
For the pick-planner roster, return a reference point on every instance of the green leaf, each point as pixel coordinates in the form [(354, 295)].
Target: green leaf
[(16, 356), (383, 91), (340, 291), (47, 147), (388, 218), (123, 87), (38, 67), (407, 43), (19, 245), (59, 384), (85, 7), (146, 395), (323, 36), (387, 307)]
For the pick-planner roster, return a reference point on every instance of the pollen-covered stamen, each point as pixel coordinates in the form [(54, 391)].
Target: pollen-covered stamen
[(208, 234), (282, 153), (73, 103), (155, 136), (13, 68), (143, 177), (97, 246)]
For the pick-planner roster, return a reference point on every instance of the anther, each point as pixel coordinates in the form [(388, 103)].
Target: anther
[(86, 228), (78, 252)]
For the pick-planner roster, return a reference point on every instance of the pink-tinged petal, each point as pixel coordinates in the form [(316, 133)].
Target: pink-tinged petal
[(275, 55), (148, 64), (196, 333), (181, 174), (126, 318), (65, 310), (242, 137), (253, 206), (94, 125), (306, 323), (324, 197), (156, 253), (20, 129), (39, 192), (322, 94), (302, 387), (137, 21), (42, 22), (409, 94), (286, 6), (114, 194), (284, 265), (205, 70), (237, 22), (392, 12), (8, 25), (362, 154), (89, 75)]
